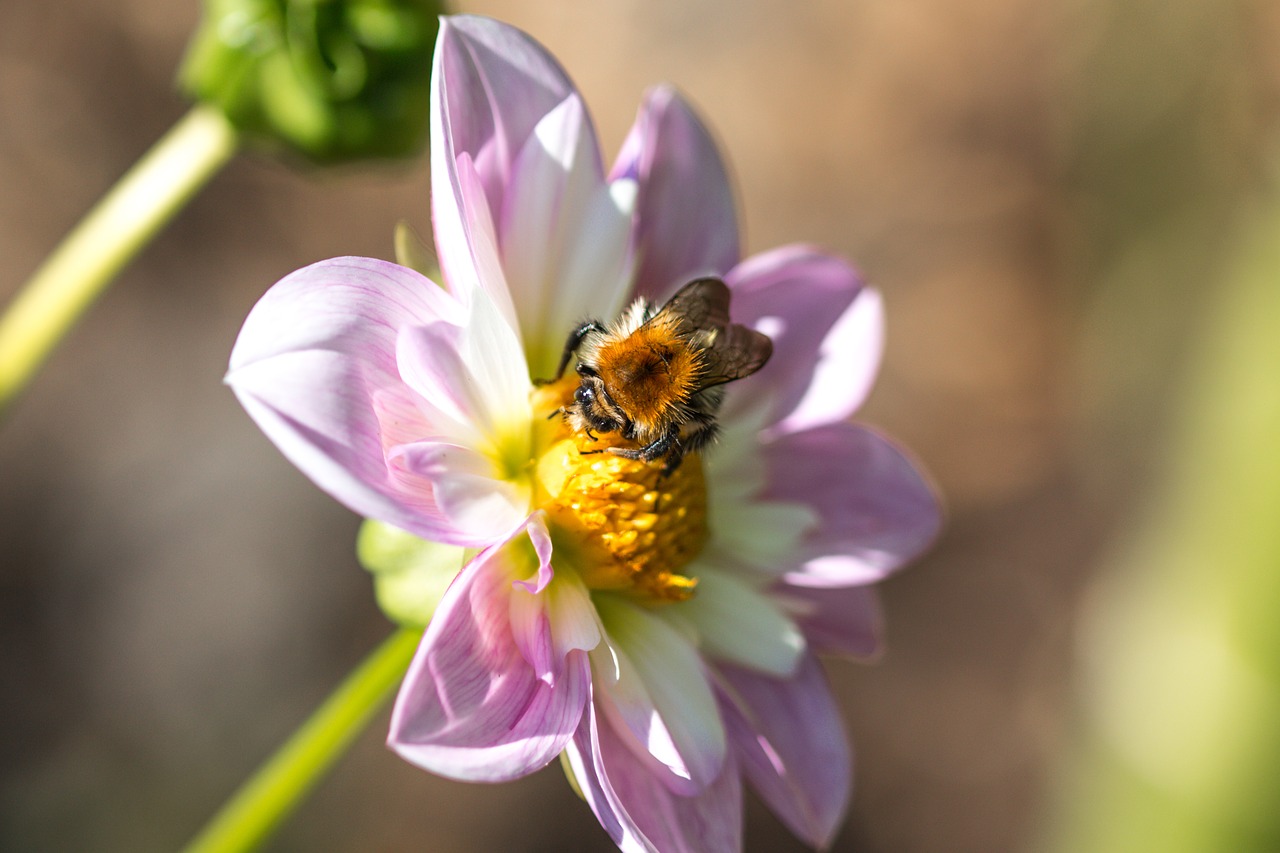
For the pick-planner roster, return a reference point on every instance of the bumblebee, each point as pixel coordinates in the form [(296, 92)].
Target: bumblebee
[(656, 377)]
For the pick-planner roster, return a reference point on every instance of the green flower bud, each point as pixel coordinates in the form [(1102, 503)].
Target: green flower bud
[(333, 80)]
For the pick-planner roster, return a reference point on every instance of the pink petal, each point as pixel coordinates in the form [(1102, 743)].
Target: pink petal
[(540, 538), (481, 507), (638, 811), (789, 738), (431, 364), (876, 510), (842, 620), (847, 366), (472, 263), (471, 707), (315, 367), (491, 85), (476, 374), (686, 220), (826, 333), (564, 234), (548, 621)]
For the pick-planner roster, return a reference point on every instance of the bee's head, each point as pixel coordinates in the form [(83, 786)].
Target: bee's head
[(593, 404)]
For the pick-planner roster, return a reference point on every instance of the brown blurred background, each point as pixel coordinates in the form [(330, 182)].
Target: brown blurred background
[(1042, 191)]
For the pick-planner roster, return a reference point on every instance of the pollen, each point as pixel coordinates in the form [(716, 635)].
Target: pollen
[(625, 525)]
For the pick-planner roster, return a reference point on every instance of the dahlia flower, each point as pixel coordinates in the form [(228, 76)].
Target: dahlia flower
[(657, 632)]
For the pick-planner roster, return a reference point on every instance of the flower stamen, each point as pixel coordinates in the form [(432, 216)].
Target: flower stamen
[(626, 526)]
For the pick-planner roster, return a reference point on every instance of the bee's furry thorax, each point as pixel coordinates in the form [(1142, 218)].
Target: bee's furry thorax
[(655, 376)]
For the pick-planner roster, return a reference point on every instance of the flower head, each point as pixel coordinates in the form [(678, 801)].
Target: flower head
[(657, 630)]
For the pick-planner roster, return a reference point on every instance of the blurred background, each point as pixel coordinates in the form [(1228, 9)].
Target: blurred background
[(1061, 203)]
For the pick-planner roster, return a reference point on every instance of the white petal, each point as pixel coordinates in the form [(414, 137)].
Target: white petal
[(764, 535), (485, 273), (737, 623), (555, 172), (493, 352), (596, 266), (735, 468), (564, 233), (469, 489), (475, 374), (661, 696)]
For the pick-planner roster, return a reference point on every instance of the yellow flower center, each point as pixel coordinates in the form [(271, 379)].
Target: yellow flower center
[(623, 524)]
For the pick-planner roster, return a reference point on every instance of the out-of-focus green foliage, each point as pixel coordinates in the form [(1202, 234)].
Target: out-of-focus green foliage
[(1178, 746), (1183, 649), (333, 80)]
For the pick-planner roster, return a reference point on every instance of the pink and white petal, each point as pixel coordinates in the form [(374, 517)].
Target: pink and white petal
[(471, 707), (686, 222), (736, 623), (649, 677), (563, 235), (492, 350), (474, 265), (316, 407), (475, 374), (596, 268), (638, 811), (554, 172), (789, 740), (481, 506), (352, 306), (574, 623), (876, 510), (760, 535), (405, 417), (540, 538), (848, 364), (551, 625), (580, 757), (491, 85), (554, 616), (315, 367), (430, 362), (844, 620), (826, 338)]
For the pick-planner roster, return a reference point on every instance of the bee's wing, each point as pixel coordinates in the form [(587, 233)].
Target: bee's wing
[(736, 351), (702, 304)]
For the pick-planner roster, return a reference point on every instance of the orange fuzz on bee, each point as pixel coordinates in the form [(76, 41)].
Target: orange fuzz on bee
[(651, 373), (655, 377)]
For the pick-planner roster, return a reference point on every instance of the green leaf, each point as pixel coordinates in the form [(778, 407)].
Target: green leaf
[(410, 575)]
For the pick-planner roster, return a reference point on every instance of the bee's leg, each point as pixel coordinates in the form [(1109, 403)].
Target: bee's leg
[(674, 458), (570, 347), (591, 435), (703, 431), (667, 444)]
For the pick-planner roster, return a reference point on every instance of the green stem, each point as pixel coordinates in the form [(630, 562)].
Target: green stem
[(280, 784), (124, 221)]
